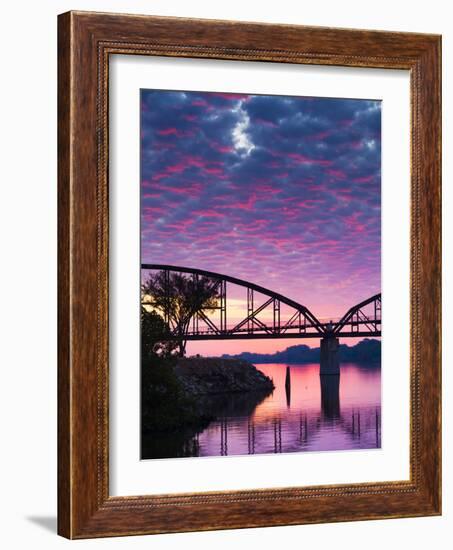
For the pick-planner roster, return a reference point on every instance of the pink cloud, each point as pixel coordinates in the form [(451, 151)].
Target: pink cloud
[(364, 179), (180, 225), (338, 174), (176, 168), (168, 132), (221, 148), (175, 132), (309, 203), (192, 188), (257, 225), (303, 159), (159, 176), (268, 190), (353, 224), (356, 144), (241, 205), (208, 213), (320, 135), (213, 170), (199, 103), (231, 97)]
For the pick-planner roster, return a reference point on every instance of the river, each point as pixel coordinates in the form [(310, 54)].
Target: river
[(313, 413)]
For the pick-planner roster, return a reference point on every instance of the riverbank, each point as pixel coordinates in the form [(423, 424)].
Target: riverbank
[(181, 396)]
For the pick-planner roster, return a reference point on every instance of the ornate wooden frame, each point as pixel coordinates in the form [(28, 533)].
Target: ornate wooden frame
[(85, 42)]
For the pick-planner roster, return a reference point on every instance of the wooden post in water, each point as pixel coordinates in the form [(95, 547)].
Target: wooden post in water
[(288, 386)]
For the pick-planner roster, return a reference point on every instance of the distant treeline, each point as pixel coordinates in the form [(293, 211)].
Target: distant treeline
[(367, 351)]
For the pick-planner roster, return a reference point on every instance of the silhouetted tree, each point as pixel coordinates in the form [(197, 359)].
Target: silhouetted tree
[(153, 331), (179, 297)]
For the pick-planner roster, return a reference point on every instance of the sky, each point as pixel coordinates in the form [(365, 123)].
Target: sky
[(281, 191)]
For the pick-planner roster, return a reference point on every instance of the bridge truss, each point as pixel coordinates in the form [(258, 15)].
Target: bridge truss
[(262, 317)]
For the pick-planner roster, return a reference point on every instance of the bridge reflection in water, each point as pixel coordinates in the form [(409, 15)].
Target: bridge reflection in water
[(321, 413), (314, 413)]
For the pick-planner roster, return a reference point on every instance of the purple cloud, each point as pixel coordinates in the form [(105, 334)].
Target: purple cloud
[(281, 191)]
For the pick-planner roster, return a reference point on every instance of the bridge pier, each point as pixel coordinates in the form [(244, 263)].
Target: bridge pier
[(330, 361)]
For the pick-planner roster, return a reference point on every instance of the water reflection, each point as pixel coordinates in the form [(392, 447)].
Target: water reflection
[(330, 396), (305, 412)]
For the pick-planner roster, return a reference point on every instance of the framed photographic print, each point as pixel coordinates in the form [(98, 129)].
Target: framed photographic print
[(249, 275)]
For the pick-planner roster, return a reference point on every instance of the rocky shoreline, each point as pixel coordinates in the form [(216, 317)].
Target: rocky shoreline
[(200, 376)]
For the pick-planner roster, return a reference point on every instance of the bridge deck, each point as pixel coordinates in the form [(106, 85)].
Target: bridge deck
[(260, 336)]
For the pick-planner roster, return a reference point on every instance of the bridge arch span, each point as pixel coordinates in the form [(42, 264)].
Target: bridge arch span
[(302, 323), (255, 329)]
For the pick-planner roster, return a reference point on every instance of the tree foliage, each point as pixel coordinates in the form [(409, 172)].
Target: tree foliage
[(178, 297), (153, 331)]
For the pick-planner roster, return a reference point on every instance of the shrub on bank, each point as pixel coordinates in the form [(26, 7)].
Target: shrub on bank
[(165, 406)]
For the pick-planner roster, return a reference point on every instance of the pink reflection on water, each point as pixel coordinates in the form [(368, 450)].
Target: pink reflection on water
[(332, 413)]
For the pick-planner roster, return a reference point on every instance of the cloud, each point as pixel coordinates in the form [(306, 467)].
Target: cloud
[(282, 191)]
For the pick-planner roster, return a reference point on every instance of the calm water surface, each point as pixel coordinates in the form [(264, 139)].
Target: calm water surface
[(314, 414)]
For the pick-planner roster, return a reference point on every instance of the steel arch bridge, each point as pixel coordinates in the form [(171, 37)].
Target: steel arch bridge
[(361, 320)]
